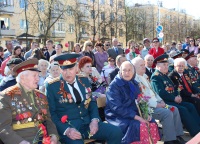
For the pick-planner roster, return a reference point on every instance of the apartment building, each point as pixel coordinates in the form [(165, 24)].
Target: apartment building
[(61, 20)]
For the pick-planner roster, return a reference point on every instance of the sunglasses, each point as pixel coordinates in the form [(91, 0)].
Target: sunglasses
[(118, 45), (191, 40), (155, 41), (107, 45)]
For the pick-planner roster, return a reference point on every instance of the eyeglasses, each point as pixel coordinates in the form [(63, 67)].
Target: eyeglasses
[(155, 41), (89, 45), (111, 61), (191, 40), (107, 45), (119, 45)]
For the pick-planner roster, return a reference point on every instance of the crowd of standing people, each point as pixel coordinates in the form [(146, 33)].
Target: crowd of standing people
[(56, 93)]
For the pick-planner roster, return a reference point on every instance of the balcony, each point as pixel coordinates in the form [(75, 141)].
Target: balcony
[(56, 15), (84, 19), (7, 33), (84, 35), (6, 9), (58, 34)]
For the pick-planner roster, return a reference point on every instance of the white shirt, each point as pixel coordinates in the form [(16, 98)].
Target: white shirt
[(71, 90)]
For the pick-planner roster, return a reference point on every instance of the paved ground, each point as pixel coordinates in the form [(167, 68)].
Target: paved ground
[(186, 137)]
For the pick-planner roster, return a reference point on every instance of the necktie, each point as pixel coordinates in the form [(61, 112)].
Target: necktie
[(30, 94), (76, 93), (150, 70), (186, 84), (116, 50)]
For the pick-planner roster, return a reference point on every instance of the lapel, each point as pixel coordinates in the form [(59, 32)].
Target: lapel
[(81, 87), (177, 76), (141, 81)]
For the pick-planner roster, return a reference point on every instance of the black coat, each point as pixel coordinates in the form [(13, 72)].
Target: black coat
[(148, 73), (113, 74)]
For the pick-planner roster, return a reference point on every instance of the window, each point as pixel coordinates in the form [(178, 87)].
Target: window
[(111, 3), (7, 2), (22, 4), (92, 0), (92, 14), (102, 2), (40, 6), (120, 32), (119, 4), (69, 10), (41, 25), (23, 24), (83, 1), (102, 16), (112, 16), (120, 18), (103, 31), (60, 26), (112, 31), (71, 28)]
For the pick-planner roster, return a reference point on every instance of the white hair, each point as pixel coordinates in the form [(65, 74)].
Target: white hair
[(18, 78), (114, 39), (128, 62), (45, 61), (147, 56), (178, 60), (136, 60), (53, 64)]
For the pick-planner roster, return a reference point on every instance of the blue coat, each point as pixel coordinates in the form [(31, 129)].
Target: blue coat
[(78, 114), (121, 108)]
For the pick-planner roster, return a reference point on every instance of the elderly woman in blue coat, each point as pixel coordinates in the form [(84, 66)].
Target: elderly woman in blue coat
[(121, 109)]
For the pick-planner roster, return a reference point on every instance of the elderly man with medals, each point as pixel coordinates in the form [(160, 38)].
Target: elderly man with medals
[(72, 108), (24, 115), (166, 89)]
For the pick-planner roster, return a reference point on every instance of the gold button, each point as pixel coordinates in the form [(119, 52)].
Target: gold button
[(80, 112), (81, 117), (78, 106)]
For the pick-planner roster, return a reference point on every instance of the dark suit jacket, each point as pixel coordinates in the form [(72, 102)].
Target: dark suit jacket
[(177, 80), (148, 73), (112, 53), (113, 74)]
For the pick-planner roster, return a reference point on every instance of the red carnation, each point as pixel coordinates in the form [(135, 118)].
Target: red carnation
[(42, 127), (46, 140), (172, 109), (64, 119)]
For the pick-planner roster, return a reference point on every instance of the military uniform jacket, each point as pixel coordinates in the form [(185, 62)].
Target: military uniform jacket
[(59, 96), (20, 116), (194, 76), (163, 86), (178, 82)]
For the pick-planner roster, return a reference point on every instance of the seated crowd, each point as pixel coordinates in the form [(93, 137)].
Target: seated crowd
[(53, 97)]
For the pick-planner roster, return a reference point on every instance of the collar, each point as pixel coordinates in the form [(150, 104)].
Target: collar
[(121, 82), (24, 89)]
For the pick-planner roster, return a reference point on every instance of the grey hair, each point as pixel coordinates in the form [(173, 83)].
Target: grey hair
[(147, 56), (120, 68), (178, 60), (18, 78), (42, 60), (136, 60)]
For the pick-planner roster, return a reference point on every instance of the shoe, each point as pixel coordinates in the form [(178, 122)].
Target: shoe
[(181, 140)]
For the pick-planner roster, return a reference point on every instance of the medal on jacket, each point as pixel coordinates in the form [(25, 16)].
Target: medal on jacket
[(65, 95)]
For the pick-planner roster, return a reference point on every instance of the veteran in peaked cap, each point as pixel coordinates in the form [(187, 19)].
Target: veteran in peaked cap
[(185, 52), (67, 60), (70, 95), (161, 59), (26, 65), (179, 55), (23, 108), (190, 55)]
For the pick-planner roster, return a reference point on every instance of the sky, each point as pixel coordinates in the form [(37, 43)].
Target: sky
[(191, 6)]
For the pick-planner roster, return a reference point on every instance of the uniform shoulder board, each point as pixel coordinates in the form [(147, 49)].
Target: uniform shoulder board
[(156, 73), (11, 91), (54, 80), (39, 93), (81, 75)]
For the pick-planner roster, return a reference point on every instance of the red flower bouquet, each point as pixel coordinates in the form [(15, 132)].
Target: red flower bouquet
[(171, 108), (42, 132)]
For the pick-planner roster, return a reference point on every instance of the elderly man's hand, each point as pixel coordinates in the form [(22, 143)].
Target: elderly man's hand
[(54, 139), (24, 142), (73, 134), (94, 127)]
